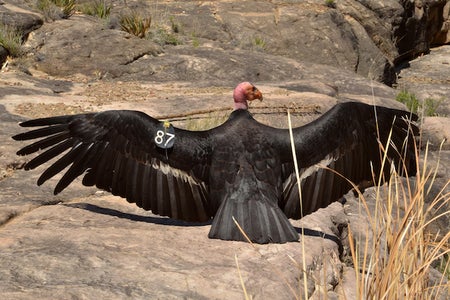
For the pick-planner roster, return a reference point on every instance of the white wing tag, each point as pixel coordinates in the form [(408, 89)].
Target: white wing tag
[(165, 135)]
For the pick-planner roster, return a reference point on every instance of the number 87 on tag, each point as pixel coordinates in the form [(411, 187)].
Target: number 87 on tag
[(165, 135)]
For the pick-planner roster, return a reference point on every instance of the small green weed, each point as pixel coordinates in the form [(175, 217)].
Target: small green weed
[(429, 105), (195, 41), (330, 3), (259, 43), (54, 9), (11, 40), (135, 24), (98, 8), (163, 37), (174, 25), (444, 265), (409, 99)]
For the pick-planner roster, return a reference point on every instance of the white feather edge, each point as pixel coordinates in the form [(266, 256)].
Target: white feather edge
[(305, 173), (167, 169)]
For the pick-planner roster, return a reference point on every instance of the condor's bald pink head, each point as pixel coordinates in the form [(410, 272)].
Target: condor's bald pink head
[(245, 91)]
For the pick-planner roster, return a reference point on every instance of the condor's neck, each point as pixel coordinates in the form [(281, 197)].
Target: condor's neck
[(240, 105)]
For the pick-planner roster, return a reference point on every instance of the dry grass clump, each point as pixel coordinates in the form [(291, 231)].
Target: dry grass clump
[(395, 258)]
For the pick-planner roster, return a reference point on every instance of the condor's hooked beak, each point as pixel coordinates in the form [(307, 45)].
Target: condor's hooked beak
[(254, 94)]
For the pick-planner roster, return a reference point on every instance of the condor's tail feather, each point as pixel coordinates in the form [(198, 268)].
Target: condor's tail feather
[(262, 222)]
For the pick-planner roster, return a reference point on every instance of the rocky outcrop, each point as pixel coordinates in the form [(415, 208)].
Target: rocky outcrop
[(22, 19), (303, 55), (423, 24), (364, 37)]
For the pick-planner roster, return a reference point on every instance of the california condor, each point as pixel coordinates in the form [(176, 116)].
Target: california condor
[(241, 169)]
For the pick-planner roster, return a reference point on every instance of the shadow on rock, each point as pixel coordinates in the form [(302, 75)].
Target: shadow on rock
[(133, 217)]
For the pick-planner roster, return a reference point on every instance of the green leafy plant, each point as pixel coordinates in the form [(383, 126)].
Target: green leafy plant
[(429, 105), (98, 8), (135, 24), (11, 40), (409, 99)]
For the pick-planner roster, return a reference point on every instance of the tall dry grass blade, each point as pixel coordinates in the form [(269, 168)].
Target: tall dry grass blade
[(242, 231), (299, 185), (246, 296)]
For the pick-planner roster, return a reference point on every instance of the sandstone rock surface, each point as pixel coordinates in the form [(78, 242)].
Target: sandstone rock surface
[(303, 55)]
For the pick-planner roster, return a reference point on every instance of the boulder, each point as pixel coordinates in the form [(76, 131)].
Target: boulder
[(22, 19), (421, 26), (91, 50)]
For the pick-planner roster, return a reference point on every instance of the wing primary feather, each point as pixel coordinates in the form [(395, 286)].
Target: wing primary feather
[(90, 178), (104, 170), (60, 164), (80, 164), (49, 154), (44, 143), (47, 121), (41, 132)]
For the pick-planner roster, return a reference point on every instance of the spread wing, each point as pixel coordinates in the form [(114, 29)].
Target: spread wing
[(118, 152), (347, 139)]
